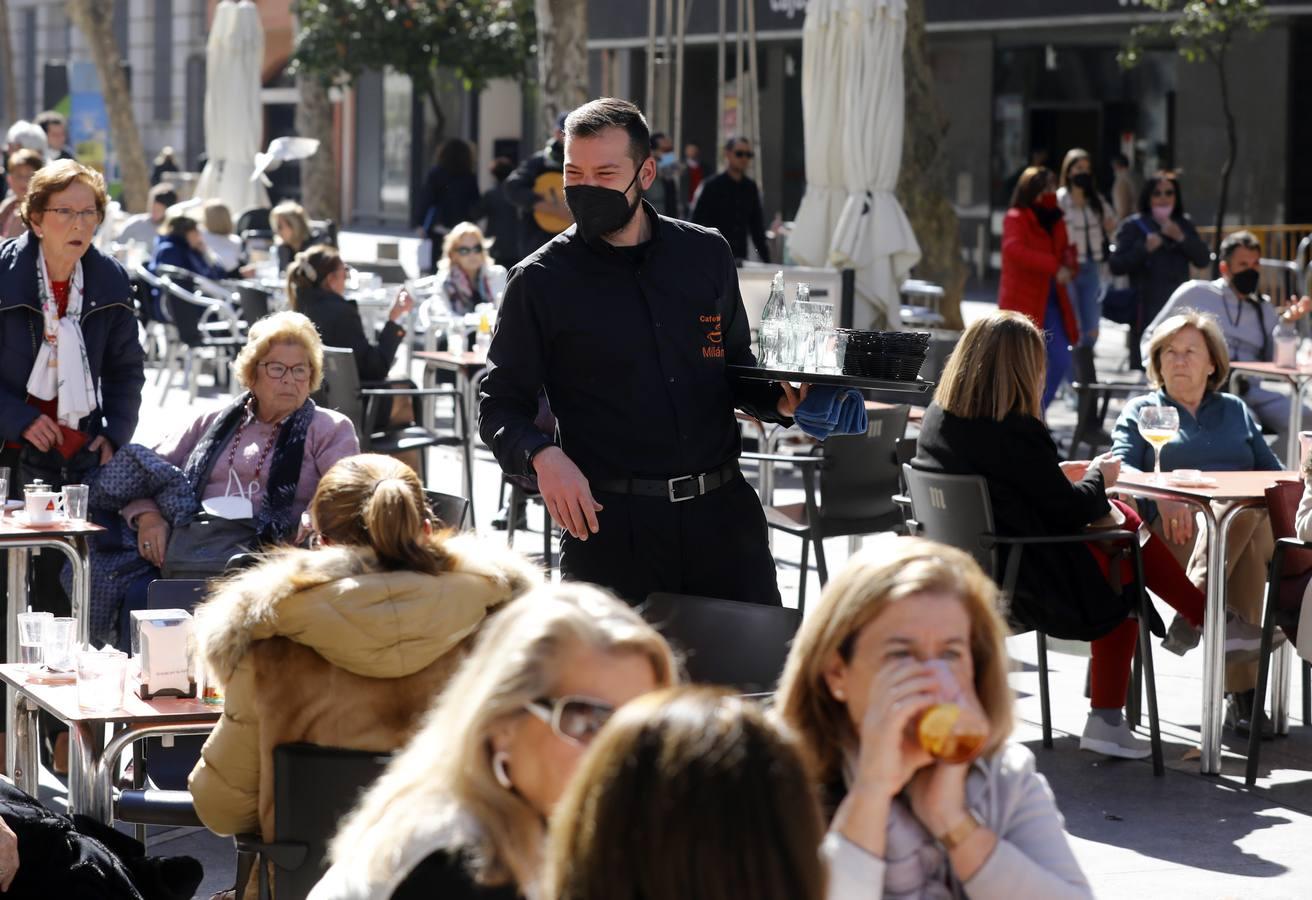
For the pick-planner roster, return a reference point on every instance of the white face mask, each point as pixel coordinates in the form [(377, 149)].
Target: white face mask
[(233, 506)]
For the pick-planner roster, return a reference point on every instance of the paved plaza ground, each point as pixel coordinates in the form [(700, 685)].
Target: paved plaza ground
[(1181, 835)]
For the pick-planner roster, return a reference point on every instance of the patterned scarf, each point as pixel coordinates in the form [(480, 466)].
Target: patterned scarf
[(464, 293), (62, 370)]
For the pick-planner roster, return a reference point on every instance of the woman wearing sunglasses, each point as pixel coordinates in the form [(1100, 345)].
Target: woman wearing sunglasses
[(462, 811), (1155, 247), (468, 277), (345, 645)]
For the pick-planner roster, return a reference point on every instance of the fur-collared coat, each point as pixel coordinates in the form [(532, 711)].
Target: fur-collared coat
[(322, 646)]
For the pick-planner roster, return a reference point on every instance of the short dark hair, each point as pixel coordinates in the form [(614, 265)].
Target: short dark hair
[(736, 140), (1146, 194), (163, 193), (48, 118), (656, 137), (592, 118), (1244, 240)]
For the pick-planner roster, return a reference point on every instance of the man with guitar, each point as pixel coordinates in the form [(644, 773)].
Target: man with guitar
[(537, 188)]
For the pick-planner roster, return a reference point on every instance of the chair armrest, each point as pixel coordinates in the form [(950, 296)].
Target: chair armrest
[(409, 392), (1293, 543), (1109, 535), (783, 458), (283, 854)]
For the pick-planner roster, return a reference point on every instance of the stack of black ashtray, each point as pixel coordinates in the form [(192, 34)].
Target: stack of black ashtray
[(894, 355)]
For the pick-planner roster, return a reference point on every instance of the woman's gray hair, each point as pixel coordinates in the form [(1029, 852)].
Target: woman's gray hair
[(1212, 336)]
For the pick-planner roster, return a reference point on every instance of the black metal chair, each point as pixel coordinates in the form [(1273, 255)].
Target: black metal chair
[(341, 391), (726, 642), (449, 509), (955, 510), (253, 219), (1287, 578), (196, 327), (858, 479), (314, 788)]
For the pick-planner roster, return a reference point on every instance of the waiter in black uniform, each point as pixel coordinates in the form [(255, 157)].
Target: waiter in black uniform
[(628, 319)]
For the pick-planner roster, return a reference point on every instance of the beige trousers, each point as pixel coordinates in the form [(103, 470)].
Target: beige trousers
[(1249, 546)]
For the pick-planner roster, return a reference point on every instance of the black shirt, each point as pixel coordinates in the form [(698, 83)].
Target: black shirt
[(338, 322), (632, 356), (734, 208), (442, 875)]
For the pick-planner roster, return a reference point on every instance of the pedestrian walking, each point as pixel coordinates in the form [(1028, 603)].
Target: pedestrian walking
[(628, 320), (731, 202)]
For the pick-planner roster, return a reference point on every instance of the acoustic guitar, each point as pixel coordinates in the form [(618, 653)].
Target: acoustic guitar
[(554, 217)]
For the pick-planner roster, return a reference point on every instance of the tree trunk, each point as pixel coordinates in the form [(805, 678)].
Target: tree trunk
[(95, 19), (314, 119), (922, 183), (562, 57), (9, 110), (1231, 149)]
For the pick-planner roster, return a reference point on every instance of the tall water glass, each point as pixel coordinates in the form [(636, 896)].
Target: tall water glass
[(101, 675), (75, 501), (57, 642), (4, 486), (1159, 425), (31, 634)]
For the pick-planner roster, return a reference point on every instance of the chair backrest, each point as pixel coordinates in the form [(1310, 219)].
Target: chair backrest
[(727, 642), (1282, 501), (254, 304), (313, 789), (953, 510), (860, 473), (253, 220), (448, 509), (340, 389), (175, 593)]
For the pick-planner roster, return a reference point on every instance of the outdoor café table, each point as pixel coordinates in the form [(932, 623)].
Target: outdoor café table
[(1241, 490), (466, 367), (92, 763), (1298, 378), (19, 540)]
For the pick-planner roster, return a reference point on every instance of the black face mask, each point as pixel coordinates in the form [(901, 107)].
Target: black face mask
[(599, 211), (1245, 282), (1083, 181)]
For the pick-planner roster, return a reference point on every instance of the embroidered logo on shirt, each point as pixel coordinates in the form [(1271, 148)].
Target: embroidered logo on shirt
[(714, 337)]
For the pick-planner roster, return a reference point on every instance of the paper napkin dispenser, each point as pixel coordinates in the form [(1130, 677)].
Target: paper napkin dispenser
[(162, 646)]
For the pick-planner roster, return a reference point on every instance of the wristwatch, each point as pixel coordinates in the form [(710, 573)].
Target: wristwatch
[(958, 833)]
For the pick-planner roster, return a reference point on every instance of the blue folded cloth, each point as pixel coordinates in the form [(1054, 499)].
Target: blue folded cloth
[(831, 410)]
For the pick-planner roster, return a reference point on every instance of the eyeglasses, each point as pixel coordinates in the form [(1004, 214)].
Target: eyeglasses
[(466, 251), (744, 154), (63, 215), (277, 371), (573, 718)]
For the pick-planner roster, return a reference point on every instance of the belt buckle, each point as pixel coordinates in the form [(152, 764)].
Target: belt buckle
[(701, 487)]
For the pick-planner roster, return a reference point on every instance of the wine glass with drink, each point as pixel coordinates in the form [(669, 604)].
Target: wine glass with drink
[(1159, 425), (955, 728)]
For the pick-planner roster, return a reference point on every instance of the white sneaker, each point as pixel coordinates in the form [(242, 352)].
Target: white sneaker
[(1113, 740), (1243, 640)]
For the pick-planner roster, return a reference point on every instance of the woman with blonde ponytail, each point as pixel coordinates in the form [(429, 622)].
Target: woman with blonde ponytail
[(344, 645), (316, 287)]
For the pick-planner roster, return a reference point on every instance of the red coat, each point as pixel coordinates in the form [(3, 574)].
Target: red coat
[(1031, 257)]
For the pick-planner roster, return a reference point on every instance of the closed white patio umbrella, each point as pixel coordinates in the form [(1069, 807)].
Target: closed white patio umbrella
[(853, 108), (234, 113)]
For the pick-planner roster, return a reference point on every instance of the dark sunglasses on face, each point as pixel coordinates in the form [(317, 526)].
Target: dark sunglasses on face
[(1166, 193), (744, 154), (573, 718), (467, 251)]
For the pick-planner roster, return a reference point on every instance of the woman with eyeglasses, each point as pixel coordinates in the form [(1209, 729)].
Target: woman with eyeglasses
[(19, 169), (461, 812), (1155, 247), (345, 645), (71, 364), (316, 287)]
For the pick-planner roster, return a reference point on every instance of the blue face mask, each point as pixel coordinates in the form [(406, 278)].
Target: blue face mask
[(668, 159)]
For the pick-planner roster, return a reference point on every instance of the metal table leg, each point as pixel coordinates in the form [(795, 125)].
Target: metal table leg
[(17, 599), (26, 764), (1281, 669), (1292, 454), (86, 748)]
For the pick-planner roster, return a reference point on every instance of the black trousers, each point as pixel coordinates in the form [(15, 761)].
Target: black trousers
[(711, 546)]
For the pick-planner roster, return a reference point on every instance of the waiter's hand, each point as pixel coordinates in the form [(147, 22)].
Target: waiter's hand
[(566, 493), (792, 398), (104, 447), (43, 433)]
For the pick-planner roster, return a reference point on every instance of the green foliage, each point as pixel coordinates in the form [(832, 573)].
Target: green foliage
[(1200, 30), (476, 40)]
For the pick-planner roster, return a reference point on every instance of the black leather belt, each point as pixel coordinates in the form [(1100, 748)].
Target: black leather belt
[(676, 490)]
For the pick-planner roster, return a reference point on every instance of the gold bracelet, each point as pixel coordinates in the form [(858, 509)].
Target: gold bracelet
[(958, 833)]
